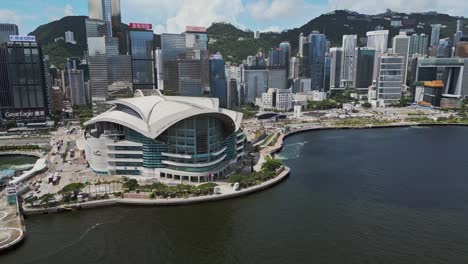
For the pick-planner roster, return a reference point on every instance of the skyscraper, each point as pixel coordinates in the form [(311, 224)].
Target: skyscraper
[(378, 40), (401, 46), (314, 59), (365, 59), (301, 44), (77, 88), (109, 12), (285, 55), (172, 49), (218, 82), (233, 94), (190, 77), (336, 56), (159, 69), (294, 68), (435, 34), (181, 53), (141, 48), (347, 66), (23, 86), (419, 44), (110, 74), (95, 28), (390, 79), (6, 30), (274, 57)]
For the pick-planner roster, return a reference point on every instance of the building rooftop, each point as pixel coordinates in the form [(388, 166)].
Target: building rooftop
[(152, 115)]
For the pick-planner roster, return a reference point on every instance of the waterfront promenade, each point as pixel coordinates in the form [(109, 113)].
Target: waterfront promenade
[(12, 230), (226, 193)]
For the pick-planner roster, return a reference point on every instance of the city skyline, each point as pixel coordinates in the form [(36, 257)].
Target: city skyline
[(173, 16)]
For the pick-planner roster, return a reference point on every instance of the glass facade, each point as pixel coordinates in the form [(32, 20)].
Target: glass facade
[(315, 60), (22, 79), (218, 81), (141, 48), (196, 144)]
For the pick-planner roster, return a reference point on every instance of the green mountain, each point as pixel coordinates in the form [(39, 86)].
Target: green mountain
[(236, 44), (59, 51)]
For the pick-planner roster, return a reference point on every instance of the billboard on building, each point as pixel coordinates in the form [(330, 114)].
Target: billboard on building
[(195, 29), (22, 38), (141, 26)]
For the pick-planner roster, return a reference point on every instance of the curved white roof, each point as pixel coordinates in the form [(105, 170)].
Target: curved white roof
[(152, 115)]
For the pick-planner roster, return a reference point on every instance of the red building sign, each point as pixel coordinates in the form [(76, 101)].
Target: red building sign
[(195, 29), (141, 26)]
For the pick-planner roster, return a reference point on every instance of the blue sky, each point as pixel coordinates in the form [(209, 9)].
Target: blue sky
[(173, 15)]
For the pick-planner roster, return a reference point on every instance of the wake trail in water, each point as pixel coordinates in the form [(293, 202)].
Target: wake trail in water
[(86, 232), (291, 151)]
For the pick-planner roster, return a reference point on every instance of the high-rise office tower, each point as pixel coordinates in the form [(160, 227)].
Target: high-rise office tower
[(23, 85), (378, 40), (96, 28), (365, 59), (109, 11), (336, 56), (347, 66), (274, 56), (141, 47), (172, 49), (190, 77), (401, 46), (301, 44), (110, 74), (419, 44), (435, 34), (391, 76), (314, 59), (77, 88), (285, 56), (233, 94), (444, 48), (159, 69), (326, 73), (294, 68), (181, 53), (255, 83), (218, 82), (6, 30)]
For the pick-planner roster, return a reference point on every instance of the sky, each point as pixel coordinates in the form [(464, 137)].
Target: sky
[(172, 16)]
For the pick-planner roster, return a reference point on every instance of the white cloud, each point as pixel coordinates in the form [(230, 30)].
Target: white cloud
[(68, 10), (271, 29), (159, 29), (265, 10), (175, 15), (9, 16)]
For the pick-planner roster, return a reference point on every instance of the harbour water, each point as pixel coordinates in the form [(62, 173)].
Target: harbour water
[(354, 196), (17, 162)]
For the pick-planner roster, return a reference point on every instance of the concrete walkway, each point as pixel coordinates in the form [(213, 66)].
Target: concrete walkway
[(11, 228), (227, 193)]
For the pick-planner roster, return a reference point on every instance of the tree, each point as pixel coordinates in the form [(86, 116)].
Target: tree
[(367, 105), (130, 184), (271, 164)]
